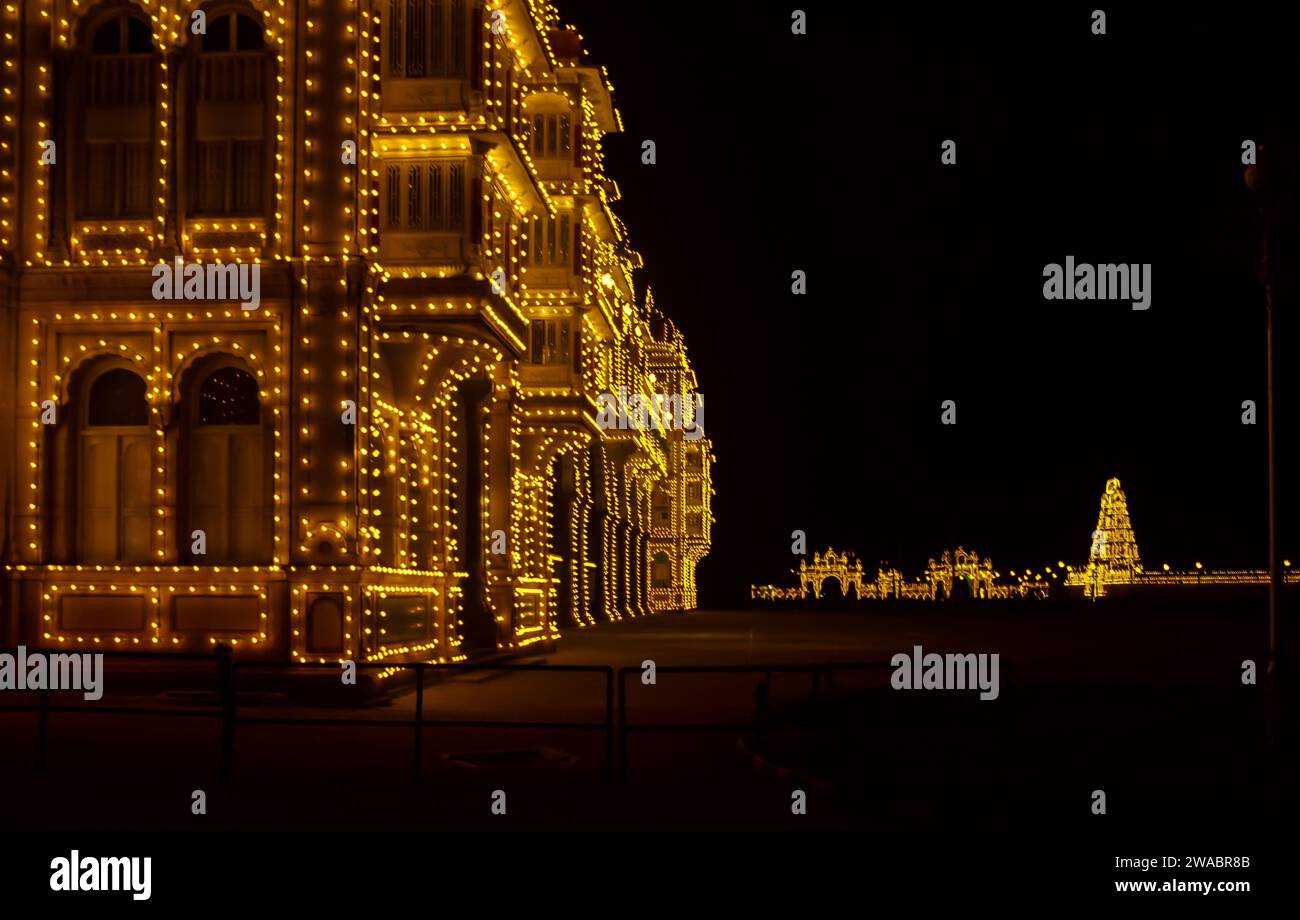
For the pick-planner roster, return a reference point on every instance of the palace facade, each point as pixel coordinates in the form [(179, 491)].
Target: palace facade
[(395, 452)]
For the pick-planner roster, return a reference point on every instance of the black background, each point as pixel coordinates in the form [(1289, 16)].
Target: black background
[(821, 152), (331, 870)]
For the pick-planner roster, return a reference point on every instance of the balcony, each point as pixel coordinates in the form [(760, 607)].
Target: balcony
[(120, 79), (229, 78)]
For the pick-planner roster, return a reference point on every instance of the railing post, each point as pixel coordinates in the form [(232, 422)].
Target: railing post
[(609, 725), (43, 729), (622, 726), (761, 695), (226, 692), (419, 717)]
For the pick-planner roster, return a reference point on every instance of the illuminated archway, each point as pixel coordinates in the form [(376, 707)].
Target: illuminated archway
[(843, 567)]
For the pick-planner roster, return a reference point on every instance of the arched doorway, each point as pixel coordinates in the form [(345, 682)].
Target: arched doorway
[(963, 589), (597, 522), (478, 625), (225, 466), (832, 591), (112, 464), (564, 494)]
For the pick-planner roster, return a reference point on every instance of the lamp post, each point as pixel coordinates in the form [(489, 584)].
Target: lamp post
[(1261, 180), (1254, 182)]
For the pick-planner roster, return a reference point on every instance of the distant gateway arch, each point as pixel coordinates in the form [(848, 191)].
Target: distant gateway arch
[(843, 567)]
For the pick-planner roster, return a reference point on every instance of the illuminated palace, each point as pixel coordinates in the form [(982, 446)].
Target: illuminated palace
[(395, 451), (1114, 566)]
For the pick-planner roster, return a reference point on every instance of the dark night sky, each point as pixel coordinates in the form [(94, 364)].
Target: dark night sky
[(821, 152)]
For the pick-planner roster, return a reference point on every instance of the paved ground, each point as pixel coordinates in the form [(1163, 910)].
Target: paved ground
[(1145, 703)]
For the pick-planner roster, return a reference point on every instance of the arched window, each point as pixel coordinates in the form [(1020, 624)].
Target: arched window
[(113, 464), (117, 120), (117, 399), (228, 127), (229, 397), (226, 471)]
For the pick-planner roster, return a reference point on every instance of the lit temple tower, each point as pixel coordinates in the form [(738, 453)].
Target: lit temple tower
[(1113, 543), (1113, 558)]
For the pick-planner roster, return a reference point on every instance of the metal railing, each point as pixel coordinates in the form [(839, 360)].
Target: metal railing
[(762, 698), (120, 79), (230, 77), (228, 712)]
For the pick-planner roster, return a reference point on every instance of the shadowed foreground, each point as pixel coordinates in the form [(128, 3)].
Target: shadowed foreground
[(1145, 704)]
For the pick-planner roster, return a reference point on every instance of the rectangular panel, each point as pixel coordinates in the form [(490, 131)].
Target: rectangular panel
[(102, 613), (538, 328), (246, 469), (394, 197), (394, 43), (99, 498), (416, 38), (247, 189), (209, 486), (456, 195), (456, 36), (100, 199), (435, 247), (414, 197), (234, 121), (210, 177), (135, 498), (436, 218), (407, 619), (325, 623), (119, 122), (196, 613), (137, 179), (247, 517)]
